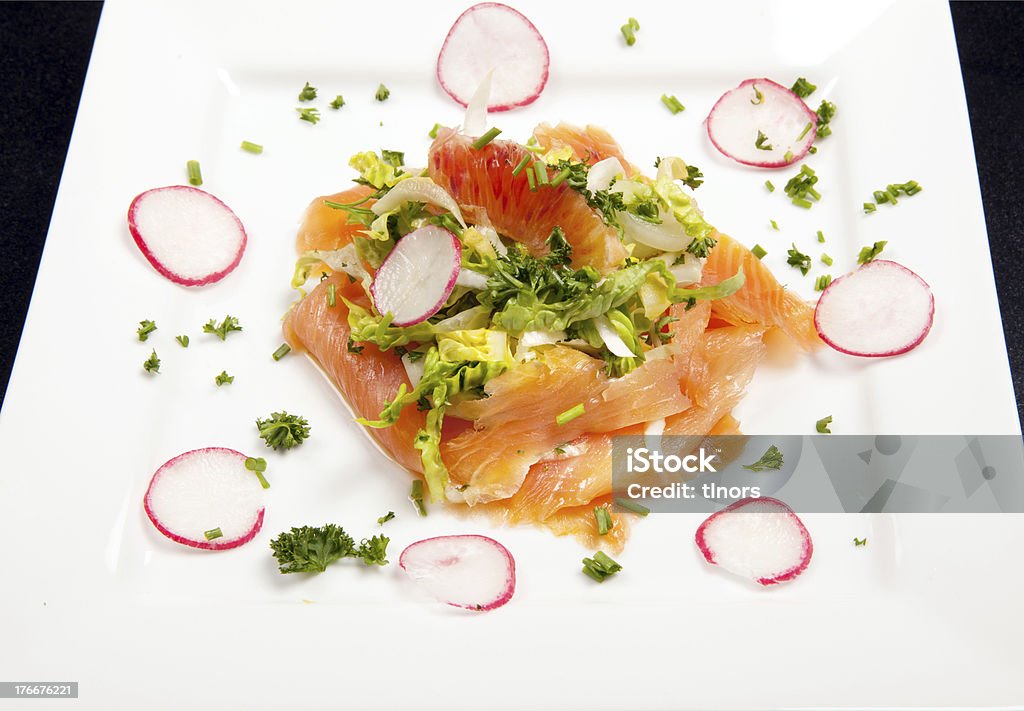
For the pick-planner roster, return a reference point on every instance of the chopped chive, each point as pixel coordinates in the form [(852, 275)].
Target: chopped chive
[(308, 93), (145, 328), (803, 88), (213, 533), (758, 96), (385, 518), (812, 150), (775, 225), (311, 115), (560, 178), (152, 364), (258, 465), (801, 202), (768, 184), (416, 497), (224, 378), (629, 31), (869, 207), (338, 102), (822, 425), (600, 567), (541, 169), (826, 260), (672, 103), (758, 251), (788, 156), (571, 414), (604, 520), (252, 147), (534, 149), (519, 168), (822, 282), (491, 134), (632, 506), (195, 177), (434, 130), (331, 298), (761, 144), (821, 236), (382, 93), (183, 340), (868, 254), (806, 129), (281, 352), (859, 542), (531, 179)]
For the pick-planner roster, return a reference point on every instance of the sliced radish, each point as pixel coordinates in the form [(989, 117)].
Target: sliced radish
[(491, 36), (418, 275), (188, 235), (474, 572), (201, 491), (757, 538), (882, 309), (780, 115)]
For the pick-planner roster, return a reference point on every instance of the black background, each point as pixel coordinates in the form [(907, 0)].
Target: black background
[(44, 52)]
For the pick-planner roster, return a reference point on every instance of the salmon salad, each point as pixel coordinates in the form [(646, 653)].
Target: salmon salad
[(495, 318)]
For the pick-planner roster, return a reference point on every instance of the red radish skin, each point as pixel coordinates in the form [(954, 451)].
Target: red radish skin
[(223, 457), (764, 504), (418, 275), (880, 310), (178, 241), (458, 562), (733, 123), (487, 36)]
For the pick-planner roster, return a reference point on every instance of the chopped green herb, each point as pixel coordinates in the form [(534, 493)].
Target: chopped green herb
[(560, 177), (569, 415), (801, 187), (353, 348), (258, 465), (760, 142), (858, 542), (774, 224), (804, 132), (672, 103), (798, 259), (869, 207), (758, 251), (801, 202), (252, 147), (282, 350), (195, 176), (531, 178), (338, 102), (382, 93), (221, 331), (771, 459), (826, 112), (491, 134), (416, 497), (433, 132), (311, 550), (283, 431), (787, 156), (826, 260), (152, 364), (374, 550), (540, 168), (812, 150), (630, 505), (385, 518), (891, 193), (332, 298), (522, 164), (600, 567), (183, 340), (604, 520), (758, 96), (821, 237), (693, 177), (629, 31), (768, 184), (803, 88), (868, 254), (822, 282), (312, 115), (213, 533), (145, 328), (308, 93), (224, 378), (822, 425)]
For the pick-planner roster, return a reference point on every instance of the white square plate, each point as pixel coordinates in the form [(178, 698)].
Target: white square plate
[(927, 615)]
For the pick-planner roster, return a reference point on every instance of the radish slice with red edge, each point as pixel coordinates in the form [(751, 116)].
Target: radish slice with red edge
[(492, 36), (470, 571), (779, 114), (187, 234), (418, 275), (882, 309), (201, 491), (760, 539)]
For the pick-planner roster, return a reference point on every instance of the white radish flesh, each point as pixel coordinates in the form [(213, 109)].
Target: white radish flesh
[(882, 309), (187, 234), (472, 572), (418, 275), (760, 539), (786, 122), (203, 490), (493, 37)]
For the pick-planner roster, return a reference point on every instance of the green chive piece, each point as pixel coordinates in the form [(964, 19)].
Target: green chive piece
[(630, 505), (310, 115), (806, 129), (812, 150), (560, 178), (868, 254), (803, 88), (571, 414), (531, 179), (416, 497), (788, 156), (604, 520), (761, 142), (801, 202), (600, 567), (434, 130), (826, 260), (281, 352), (145, 328), (491, 134), (758, 96), (338, 102), (869, 207), (519, 168), (859, 542), (822, 425), (258, 465), (821, 236), (768, 184), (385, 518), (195, 177), (224, 378), (382, 93), (252, 147), (183, 340), (541, 169), (308, 93), (331, 298), (758, 251), (629, 31), (213, 533), (822, 282), (672, 103), (775, 225)]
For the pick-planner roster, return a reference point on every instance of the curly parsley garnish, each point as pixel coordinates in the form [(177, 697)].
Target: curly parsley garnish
[(311, 549), (145, 328), (283, 431), (771, 459), (221, 330)]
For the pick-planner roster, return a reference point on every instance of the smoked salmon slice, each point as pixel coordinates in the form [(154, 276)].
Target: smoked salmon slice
[(326, 228), (482, 179)]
